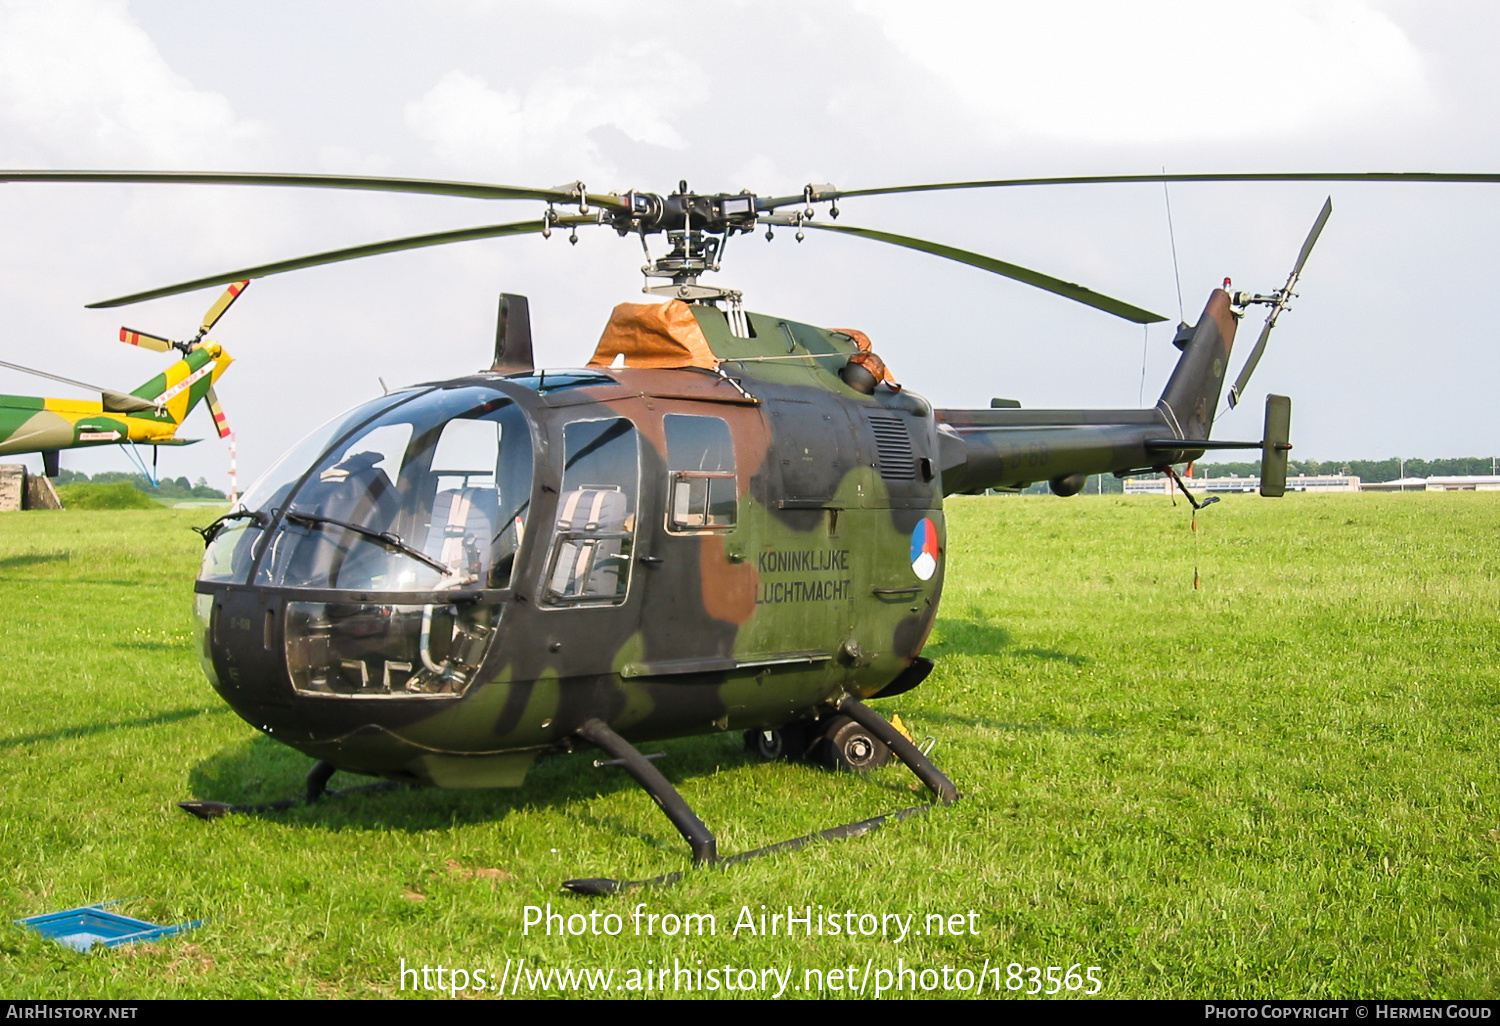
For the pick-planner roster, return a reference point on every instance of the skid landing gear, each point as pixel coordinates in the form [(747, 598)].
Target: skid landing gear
[(317, 788), (853, 739)]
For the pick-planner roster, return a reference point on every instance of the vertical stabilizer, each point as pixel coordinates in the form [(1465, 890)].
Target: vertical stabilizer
[(1277, 441), (176, 390), (1192, 393)]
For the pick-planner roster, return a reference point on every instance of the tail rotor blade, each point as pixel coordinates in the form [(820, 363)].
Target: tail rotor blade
[(1312, 236), (1238, 388), (1278, 301), (221, 423), (225, 301), (139, 338)]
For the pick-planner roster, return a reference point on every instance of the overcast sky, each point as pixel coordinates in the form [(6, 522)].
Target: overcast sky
[(1390, 350)]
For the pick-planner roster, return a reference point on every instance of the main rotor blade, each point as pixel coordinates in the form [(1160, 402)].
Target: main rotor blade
[(424, 186), (1253, 360), (118, 402), (1066, 289), (352, 253), (767, 203)]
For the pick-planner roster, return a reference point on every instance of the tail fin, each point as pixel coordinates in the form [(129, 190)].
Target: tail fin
[(176, 390), (1192, 393)]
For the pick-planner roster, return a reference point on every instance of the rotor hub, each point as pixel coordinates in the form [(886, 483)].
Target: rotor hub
[(696, 226)]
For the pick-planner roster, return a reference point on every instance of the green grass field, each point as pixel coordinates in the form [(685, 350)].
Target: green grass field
[(1284, 784)]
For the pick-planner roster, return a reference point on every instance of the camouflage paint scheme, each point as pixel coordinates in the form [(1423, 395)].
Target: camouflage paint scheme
[(813, 596), (33, 424)]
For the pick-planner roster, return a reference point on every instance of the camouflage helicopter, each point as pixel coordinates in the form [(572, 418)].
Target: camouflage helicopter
[(149, 415), (725, 521)]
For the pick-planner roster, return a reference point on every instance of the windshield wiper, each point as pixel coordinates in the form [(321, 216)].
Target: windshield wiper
[(212, 530), (386, 538)]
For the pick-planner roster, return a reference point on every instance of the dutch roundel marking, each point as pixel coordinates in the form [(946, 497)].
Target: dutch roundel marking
[(924, 550)]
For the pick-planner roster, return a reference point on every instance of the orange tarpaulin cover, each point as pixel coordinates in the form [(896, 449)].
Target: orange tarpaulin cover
[(866, 357), (656, 336)]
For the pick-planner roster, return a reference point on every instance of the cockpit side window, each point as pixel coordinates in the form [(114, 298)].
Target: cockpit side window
[(432, 496), (596, 514), (234, 545), (360, 486), (700, 472), (466, 502)]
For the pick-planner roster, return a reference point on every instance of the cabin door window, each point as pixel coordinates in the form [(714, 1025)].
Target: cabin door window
[(700, 467), (594, 535)]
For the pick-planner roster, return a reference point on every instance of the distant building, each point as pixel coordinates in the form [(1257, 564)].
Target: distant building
[(1403, 484), (1216, 485), (1465, 483), (1456, 483)]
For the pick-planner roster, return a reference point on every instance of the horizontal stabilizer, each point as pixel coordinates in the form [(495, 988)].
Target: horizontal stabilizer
[(119, 402), (1184, 444)]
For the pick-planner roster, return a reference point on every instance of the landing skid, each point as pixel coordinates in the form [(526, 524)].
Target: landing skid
[(317, 789), (701, 840)]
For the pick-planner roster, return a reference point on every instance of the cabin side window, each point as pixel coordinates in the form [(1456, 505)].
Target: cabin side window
[(700, 472), (596, 510)]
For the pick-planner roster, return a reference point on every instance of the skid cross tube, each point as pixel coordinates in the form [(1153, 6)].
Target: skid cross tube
[(702, 840)]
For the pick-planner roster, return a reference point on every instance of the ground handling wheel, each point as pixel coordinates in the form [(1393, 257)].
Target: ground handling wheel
[(770, 745), (788, 741), (845, 745)]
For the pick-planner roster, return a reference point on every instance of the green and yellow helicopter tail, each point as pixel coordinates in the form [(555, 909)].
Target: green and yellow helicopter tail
[(148, 415), (171, 395), (178, 389)]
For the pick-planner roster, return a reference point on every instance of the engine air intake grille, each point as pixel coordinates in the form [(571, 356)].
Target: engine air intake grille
[(893, 447)]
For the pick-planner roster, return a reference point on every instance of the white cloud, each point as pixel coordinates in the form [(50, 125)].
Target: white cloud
[(1082, 70), (637, 91), (81, 77)]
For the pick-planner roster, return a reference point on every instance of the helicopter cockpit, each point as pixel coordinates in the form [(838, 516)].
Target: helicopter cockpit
[(389, 531)]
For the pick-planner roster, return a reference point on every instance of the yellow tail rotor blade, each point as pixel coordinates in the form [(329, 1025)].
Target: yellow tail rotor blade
[(220, 421), (217, 310), (137, 338)]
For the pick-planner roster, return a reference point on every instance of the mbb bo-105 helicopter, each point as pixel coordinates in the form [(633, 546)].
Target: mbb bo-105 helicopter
[(726, 521)]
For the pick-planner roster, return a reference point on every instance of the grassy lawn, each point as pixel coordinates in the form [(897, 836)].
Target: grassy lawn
[(1283, 784)]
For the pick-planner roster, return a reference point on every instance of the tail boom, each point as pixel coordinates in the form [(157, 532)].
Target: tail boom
[(149, 415), (1012, 448)]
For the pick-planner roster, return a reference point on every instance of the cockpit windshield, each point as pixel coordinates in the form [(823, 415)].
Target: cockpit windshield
[(431, 494)]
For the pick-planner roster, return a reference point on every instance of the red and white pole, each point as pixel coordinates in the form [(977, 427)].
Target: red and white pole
[(234, 474)]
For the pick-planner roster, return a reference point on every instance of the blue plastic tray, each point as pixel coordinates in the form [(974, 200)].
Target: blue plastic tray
[(82, 928)]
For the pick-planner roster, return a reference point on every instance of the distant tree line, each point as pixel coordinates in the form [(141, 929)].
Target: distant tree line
[(169, 488)]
